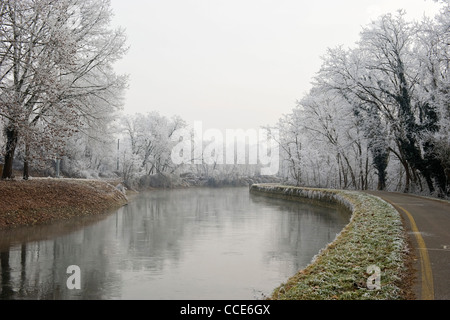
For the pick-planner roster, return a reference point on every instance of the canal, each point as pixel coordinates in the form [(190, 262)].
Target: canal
[(197, 244)]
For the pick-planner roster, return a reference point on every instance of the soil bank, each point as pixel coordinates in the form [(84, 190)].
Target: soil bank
[(46, 200)]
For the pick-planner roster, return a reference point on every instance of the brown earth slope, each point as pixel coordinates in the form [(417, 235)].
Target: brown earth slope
[(44, 200)]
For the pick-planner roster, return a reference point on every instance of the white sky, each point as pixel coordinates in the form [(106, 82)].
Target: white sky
[(236, 63)]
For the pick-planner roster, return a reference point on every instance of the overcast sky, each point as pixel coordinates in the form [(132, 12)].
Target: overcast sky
[(236, 63)]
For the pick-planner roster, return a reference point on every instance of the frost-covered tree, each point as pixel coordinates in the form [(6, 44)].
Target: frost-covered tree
[(56, 72), (434, 57), (91, 152), (383, 78), (147, 144), (291, 145), (322, 144), (384, 102), (150, 139)]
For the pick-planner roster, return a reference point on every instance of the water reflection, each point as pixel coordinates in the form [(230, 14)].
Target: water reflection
[(179, 244)]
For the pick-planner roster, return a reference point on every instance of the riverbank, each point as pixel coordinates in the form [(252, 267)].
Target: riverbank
[(46, 200), (375, 236)]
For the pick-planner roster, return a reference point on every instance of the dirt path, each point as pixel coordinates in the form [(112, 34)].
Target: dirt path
[(428, 224)]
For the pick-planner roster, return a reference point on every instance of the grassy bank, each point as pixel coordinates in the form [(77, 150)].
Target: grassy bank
[(43, 200), (374, 237)]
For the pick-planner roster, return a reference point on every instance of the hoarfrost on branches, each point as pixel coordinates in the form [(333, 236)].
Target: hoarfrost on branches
[(56, 74), (378, 114)]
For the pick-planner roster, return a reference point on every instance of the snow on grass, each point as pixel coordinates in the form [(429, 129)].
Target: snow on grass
[(374, 237)]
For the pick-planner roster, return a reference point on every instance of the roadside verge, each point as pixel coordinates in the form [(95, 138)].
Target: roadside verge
[(367, 260)]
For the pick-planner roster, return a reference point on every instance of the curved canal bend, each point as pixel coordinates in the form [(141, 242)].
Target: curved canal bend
[(170, 244)]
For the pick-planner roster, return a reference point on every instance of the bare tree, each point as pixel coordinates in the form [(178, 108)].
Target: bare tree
[(389, 96), (382, 78), (56, 70)]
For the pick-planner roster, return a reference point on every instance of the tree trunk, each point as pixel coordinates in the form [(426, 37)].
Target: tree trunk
[(26, 169), (7, 291), (57, 166), (11, 143), (381, 163), (405, 165), (407, 178), (381, 180), (339, 170), (367, 174)]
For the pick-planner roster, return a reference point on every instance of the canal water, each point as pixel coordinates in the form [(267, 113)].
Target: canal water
[(169, 244)]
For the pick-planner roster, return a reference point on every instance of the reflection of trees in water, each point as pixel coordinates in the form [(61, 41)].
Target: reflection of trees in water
[(166, 221), (37, 270), (6, 275), (302, 230), (153, 232), (33, 266)]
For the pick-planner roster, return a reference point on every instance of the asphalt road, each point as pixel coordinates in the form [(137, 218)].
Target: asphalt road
[(428, 224)]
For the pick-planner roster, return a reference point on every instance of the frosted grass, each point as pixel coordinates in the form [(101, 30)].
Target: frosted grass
[(374, 236)]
